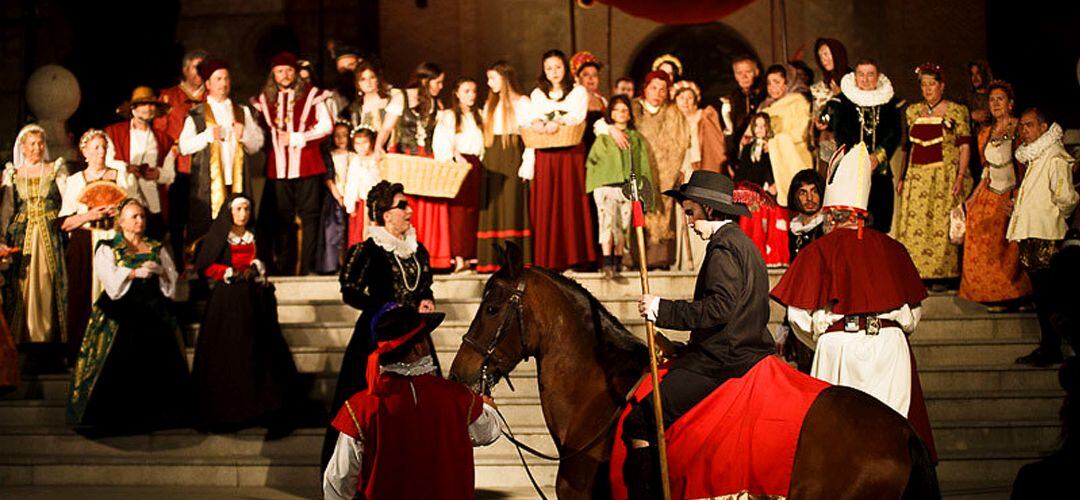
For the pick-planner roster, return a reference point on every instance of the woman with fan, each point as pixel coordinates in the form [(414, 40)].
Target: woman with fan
[(90, 201), (243, 370), (131, 374), (34, 298)]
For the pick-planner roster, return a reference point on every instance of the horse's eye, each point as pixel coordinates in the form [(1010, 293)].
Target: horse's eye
[(492, 310)]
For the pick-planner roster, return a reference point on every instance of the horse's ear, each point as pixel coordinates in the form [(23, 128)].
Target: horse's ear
[(500, 254), (514, 261)]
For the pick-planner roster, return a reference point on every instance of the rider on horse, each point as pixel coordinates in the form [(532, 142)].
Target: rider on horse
[(727, 319)]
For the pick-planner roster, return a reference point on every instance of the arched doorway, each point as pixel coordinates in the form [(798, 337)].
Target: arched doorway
[(706, 51)]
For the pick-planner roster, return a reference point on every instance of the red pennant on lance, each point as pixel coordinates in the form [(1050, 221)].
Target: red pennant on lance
[(638, 214)]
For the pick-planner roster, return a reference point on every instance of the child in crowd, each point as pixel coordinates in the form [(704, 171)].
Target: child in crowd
[(767, 226), (336, 157), (607, 171), (363, 175)]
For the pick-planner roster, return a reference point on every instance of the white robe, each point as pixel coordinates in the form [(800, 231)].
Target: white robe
[(879, 365)]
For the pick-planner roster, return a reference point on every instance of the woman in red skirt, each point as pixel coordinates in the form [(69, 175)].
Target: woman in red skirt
[(562, 225), (458, 137), (415, 128)]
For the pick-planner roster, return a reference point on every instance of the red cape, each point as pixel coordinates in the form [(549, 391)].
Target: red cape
[(855, 276), (741, 438)]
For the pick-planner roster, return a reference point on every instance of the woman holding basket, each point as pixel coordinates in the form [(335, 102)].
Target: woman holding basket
[(562, 226)]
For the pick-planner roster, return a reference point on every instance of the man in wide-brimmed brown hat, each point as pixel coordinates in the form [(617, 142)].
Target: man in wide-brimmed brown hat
[(145, 152)]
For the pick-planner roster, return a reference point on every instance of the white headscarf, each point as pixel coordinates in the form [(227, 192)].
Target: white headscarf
[(31, 128)]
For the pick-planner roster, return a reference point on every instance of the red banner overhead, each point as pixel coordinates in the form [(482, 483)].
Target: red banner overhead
[(676, 11)]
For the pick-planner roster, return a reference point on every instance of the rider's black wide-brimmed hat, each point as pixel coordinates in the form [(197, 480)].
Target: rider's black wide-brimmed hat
[(712, 189)]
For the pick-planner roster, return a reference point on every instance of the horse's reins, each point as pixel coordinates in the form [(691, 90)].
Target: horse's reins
[(488, 381)]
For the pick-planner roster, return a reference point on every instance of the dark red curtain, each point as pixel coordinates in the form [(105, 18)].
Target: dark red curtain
[(677, 11)]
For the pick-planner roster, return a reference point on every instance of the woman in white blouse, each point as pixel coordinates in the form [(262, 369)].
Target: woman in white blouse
[(504, 209), (86, 227), (562, 225), (458, 137)]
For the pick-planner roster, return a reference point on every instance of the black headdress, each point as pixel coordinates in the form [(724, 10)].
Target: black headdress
[(216, 241)]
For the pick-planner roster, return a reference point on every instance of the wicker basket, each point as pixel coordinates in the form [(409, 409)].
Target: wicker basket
[(424, 176), (565, 136)]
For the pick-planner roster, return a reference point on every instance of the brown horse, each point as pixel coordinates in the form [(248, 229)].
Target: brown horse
[(850, 446)]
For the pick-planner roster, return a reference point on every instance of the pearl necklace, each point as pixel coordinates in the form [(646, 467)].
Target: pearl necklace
[(404, 277)]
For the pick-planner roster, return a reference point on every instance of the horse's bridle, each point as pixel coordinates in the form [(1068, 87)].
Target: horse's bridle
[(488, 376)]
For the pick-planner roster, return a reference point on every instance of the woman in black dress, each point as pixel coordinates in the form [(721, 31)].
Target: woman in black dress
[(243, 372), (389, 266)]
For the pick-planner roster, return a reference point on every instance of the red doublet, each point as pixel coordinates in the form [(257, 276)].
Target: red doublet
[(413, 448), (242, 255), (173, 122), (874, 274), (120, 135), (301, 118)]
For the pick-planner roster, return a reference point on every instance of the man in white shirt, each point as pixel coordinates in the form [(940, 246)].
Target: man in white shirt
[(145, 152), (219, 143)]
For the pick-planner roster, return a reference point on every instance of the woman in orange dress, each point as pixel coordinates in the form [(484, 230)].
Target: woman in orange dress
[(991, 269)]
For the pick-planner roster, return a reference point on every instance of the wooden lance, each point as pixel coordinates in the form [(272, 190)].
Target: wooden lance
[(650, 329)]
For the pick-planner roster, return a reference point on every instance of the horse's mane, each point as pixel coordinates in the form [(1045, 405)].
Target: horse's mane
[(619, 351)]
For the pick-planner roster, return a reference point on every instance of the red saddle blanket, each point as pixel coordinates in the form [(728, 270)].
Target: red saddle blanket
[(741, 438)]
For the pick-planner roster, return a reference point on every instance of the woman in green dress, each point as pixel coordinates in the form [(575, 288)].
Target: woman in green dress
[(131, 374), (35, 295)]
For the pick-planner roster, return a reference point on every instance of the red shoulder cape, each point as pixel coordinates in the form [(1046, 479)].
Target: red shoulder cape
[(856, 276)]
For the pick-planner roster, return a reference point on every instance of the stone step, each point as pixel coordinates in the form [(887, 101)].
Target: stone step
[(322, 364), (990, 378), (999, 406), (295, 309), (984, 466), (494, 468), (39, 441), (470, 285)]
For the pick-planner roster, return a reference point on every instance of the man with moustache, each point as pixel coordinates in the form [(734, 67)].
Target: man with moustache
[(298, 121), (1043, 204), (145, 152)]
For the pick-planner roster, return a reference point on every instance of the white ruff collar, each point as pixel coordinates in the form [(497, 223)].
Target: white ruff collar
[(860, 97), (1029, 152), (798, 227), (402, 247), (419, 367)]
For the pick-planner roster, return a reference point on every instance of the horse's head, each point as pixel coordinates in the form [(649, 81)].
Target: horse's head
[(496, 341)]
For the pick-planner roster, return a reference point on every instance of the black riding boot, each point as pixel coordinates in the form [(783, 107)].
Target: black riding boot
[(641, 473)]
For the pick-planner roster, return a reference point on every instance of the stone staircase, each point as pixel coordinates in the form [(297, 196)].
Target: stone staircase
[(989, 415)]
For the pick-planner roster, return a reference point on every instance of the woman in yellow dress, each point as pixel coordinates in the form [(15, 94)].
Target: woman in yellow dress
[(35, 298), (938, 146)]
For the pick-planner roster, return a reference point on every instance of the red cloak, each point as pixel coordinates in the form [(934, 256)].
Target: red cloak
[(873, 274)]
